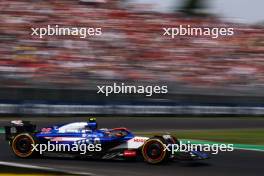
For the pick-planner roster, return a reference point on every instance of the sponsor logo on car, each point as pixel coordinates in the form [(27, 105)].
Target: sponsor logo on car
[(139, 140)]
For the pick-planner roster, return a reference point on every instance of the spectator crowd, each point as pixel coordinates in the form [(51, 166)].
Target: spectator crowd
[(131, 48)]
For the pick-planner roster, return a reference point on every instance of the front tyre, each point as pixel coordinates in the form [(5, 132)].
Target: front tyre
[(22, 145), (153, 151)]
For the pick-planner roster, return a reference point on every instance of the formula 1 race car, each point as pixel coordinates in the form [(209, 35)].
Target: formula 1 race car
[(116, 144)]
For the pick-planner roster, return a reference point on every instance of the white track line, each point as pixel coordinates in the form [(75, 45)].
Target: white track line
[(13, 164)]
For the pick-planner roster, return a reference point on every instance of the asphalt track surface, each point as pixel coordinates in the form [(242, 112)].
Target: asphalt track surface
[(236, 163), (152, 124)]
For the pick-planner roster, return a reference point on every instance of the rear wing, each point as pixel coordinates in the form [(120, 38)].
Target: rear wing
[(17, 127)]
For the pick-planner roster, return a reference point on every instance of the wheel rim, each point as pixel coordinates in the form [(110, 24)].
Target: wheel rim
[(153, 151), (22, 145)]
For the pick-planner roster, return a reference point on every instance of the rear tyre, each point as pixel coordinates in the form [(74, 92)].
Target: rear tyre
[(153, 151), (22, 145)]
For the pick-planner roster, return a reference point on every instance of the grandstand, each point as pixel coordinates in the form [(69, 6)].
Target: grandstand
[(132, 49)]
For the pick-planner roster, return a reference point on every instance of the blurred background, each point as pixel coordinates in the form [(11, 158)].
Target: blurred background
[(59, 74)]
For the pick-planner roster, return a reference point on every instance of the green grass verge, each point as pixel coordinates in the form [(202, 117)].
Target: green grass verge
[(2, 130), (238, 136)]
